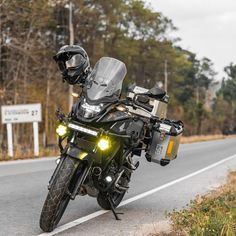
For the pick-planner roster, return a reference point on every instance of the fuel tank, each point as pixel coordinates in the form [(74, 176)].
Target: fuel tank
[(124, 123)]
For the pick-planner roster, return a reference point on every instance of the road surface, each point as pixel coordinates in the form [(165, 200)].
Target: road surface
[(153, 191)]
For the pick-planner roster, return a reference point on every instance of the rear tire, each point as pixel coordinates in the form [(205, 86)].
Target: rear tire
[(105, 204), (58, 197), (115, 196)]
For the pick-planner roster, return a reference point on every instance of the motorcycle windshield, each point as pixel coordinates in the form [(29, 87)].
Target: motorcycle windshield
[(106, 78)]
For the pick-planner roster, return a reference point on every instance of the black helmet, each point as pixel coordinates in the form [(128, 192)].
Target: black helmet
[(73, 63)]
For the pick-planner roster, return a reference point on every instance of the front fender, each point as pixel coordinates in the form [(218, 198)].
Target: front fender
[(79, 154)]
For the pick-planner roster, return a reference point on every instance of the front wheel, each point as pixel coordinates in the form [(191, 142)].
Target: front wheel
[(58, 196)]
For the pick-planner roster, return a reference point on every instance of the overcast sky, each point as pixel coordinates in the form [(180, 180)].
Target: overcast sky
[(206, 27)]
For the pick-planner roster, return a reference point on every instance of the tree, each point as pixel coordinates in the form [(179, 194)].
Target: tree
[(129, 30), (228, 94)]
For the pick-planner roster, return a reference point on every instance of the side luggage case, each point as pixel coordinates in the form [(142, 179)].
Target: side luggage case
[(165, 141)]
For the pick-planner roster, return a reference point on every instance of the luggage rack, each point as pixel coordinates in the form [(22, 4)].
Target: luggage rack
[(159, 105)]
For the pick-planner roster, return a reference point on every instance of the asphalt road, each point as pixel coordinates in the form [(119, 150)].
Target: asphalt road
[(23, 188)]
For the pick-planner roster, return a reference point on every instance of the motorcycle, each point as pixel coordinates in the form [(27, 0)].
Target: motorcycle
[(99, 138)]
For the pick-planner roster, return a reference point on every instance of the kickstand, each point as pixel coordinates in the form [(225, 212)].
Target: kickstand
[(113, 209)]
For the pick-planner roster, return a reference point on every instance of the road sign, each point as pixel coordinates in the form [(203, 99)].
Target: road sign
[(24, 113), (21, 113)]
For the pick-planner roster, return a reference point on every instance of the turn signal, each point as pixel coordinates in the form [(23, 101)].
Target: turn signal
[(61, 130), (75, 95), (103, 144)]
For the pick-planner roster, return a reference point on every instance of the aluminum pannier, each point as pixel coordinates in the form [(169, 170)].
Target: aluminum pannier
[(164, 143)]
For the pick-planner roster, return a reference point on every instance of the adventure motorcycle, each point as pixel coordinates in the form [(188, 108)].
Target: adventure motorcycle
[(99, 137)]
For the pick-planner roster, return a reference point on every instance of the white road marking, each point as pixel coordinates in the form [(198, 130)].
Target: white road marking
[(135, 198)]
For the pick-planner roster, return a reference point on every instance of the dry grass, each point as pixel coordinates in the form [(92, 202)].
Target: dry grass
[(168, 234), (211, 215), (201, 138), (28, 154)]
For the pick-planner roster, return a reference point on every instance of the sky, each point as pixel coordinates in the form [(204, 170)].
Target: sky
[(206, 27)]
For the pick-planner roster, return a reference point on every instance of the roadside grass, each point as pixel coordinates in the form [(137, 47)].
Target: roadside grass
[(202, 138), (211, 215)]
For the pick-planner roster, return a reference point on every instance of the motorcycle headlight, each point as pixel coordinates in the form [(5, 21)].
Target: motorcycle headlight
[(90, 110), (61, 130), (104, 143), (93, 108)]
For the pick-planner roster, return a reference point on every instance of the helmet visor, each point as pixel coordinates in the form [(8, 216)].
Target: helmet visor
[(75, 61)]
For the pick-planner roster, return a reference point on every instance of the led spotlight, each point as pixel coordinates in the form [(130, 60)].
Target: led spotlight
[(103, 144), (61, 130), (108, 179)]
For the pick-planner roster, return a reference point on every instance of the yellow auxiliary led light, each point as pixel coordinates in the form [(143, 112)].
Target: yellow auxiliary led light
[(61, 130), (103, 144)]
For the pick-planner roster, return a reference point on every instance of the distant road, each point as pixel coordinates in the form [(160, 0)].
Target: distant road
[(153, 191)]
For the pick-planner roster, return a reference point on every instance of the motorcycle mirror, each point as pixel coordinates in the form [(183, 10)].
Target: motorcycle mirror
[(157, 92)]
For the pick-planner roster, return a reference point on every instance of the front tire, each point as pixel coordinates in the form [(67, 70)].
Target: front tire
[(58, 196)]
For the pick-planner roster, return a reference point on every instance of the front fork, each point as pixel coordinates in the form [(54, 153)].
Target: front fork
[(81, 178), (58, 167)]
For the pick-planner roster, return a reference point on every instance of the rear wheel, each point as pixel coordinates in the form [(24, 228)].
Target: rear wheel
[(58, 196), (105, 204), (116, 197)]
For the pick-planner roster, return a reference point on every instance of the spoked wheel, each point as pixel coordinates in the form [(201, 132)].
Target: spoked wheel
[(58, 196)]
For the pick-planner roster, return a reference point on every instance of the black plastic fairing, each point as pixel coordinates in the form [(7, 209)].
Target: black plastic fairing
[(115, 116)]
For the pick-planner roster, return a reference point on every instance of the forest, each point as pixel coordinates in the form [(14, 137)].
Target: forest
[(32, 31)]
